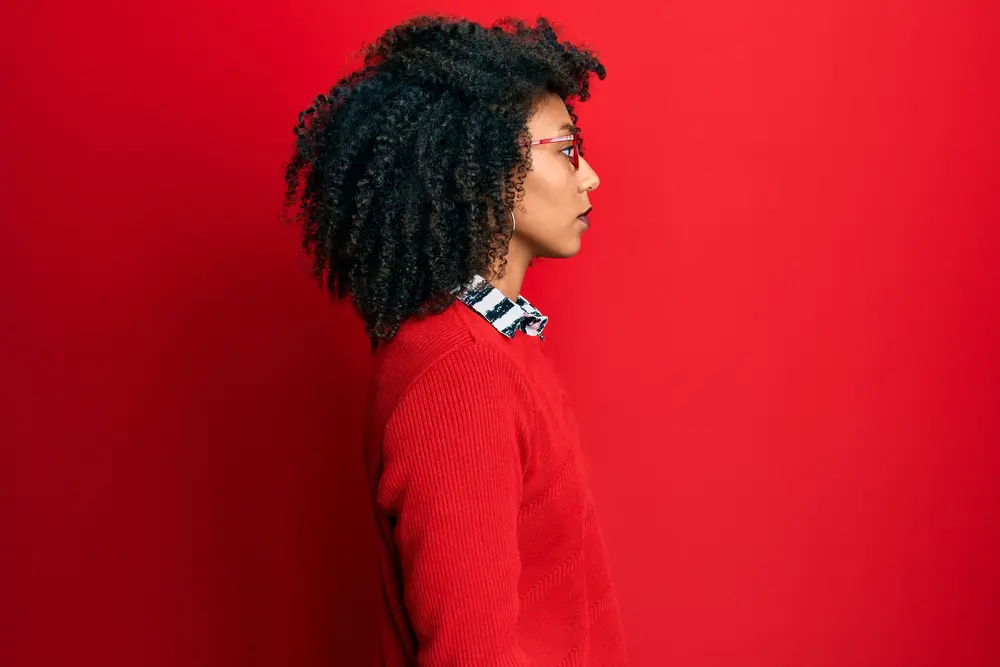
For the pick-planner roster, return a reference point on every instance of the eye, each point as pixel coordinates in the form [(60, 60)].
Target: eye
[(570, 149)]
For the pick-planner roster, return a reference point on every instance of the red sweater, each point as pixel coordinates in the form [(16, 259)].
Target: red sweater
[(491, 553)]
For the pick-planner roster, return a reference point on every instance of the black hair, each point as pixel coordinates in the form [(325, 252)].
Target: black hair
[(408, 167)]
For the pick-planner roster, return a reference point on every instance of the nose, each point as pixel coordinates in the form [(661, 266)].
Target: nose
[(587, 177)]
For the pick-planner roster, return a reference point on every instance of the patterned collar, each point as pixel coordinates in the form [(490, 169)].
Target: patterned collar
[(505, 315)]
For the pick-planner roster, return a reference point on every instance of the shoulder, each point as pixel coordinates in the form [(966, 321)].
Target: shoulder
[(471, 410), (449, 353), (417, 346)]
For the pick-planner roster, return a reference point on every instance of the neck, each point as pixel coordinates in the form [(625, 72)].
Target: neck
[(518, 257)]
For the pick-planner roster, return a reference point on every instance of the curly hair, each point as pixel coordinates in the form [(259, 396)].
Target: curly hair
[(407, 167)]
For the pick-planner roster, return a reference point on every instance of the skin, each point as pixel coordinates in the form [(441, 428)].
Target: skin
[(555, 194)]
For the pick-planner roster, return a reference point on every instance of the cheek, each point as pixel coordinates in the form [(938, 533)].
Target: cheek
[(548, 185)]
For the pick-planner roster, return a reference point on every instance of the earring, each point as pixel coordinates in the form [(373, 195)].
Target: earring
[(513, 222)]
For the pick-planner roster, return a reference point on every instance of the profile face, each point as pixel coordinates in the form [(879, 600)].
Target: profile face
[(556, 193)]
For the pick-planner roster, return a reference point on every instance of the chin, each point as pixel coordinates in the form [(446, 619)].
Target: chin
[(573, 247), (559, 248), (561, 252)]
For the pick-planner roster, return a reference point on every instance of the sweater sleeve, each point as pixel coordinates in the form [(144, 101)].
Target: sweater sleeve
[(452, 478)]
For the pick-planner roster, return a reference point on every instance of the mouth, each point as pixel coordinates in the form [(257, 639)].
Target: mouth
[(583, 217)]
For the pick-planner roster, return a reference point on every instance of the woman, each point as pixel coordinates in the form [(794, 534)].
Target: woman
[(430, 179)]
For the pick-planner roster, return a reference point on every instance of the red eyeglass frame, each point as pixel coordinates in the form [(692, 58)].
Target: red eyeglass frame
[(575, 138)]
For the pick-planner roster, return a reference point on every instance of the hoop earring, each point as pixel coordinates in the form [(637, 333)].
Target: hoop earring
[(513, 222)]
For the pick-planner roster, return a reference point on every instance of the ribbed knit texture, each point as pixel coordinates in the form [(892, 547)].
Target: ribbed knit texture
[(491, 552)]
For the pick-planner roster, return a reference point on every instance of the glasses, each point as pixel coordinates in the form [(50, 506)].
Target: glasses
[(575, 138)]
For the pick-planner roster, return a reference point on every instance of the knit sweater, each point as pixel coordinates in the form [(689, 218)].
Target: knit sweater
[(490, 551)]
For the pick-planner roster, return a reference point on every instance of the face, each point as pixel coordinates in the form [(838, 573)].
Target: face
[(555, 192)]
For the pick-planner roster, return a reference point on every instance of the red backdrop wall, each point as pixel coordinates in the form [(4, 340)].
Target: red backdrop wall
[(781, 334)]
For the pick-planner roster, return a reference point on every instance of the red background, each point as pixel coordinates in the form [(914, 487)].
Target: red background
[(781, 334)]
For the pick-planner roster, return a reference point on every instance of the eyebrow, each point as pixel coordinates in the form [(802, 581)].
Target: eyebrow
[(569, 127)]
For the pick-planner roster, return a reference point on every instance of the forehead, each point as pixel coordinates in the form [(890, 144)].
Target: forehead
[(549, 117)]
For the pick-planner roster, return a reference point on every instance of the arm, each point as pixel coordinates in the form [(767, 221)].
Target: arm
[(452, 477)]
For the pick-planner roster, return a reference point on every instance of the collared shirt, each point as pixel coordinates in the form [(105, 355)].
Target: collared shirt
[(505, 315)]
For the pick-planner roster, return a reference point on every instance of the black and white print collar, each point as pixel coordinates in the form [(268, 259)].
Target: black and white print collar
[(506, 316)]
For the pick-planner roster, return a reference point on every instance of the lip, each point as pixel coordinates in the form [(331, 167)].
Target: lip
[(585, 216)]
